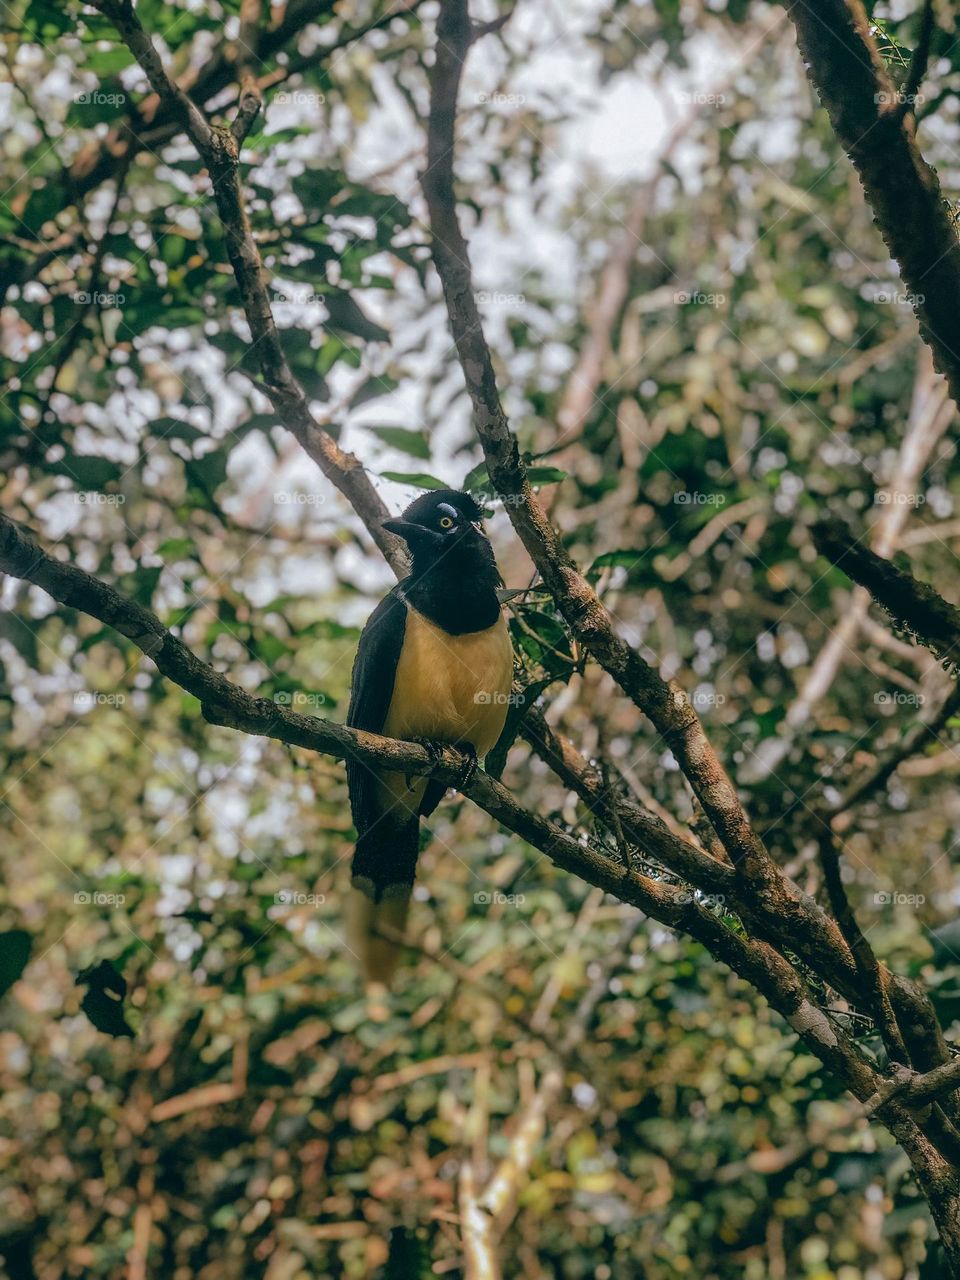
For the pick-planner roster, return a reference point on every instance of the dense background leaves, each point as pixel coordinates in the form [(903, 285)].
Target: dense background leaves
[(761, 370)]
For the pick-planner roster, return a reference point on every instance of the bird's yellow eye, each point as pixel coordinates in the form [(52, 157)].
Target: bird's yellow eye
[(446, 522)]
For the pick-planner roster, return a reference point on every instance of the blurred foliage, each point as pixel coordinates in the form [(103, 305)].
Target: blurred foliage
[(184, 884)]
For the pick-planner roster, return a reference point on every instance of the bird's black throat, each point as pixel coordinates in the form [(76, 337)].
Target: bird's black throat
[(457, 590)]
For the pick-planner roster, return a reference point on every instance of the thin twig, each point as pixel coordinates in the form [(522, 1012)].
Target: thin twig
[(918, 63)]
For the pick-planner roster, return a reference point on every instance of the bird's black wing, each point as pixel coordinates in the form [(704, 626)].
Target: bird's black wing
[(385, 858), (374, 671)]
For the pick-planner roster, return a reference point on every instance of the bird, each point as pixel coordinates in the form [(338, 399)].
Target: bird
[(434, 665)]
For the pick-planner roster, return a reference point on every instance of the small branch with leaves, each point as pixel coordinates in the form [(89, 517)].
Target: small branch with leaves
[(219, 148)]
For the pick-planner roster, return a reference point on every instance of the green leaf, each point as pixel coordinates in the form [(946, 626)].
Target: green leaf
[(610, 559), (548, 641), (87, 470), (103, 1003), (14, 953), (545, 475), (417, 478), (176, 548), (478, 480), (346, 316), (414, 443), (209, 472)]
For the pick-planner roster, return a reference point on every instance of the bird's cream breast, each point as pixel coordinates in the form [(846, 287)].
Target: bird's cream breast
[(451, 688)]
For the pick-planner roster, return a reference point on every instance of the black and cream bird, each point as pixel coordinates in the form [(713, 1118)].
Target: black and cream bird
[(435, 665)]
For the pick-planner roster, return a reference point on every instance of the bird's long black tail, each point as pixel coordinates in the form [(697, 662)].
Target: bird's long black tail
[(383, 871)]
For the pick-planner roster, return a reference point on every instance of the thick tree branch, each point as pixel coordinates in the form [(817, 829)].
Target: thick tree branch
[(914, 1089), (865, 109), (664, 702), (225, 703), (643, 828), (796, 920), (780, 909)]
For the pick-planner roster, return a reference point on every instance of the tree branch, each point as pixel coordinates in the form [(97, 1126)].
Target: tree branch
[(918, 63), (914, 1089), (666, 704), (914, 604), (778, 908), (225, 703), (640, 826), (915, 221), (220, 151)]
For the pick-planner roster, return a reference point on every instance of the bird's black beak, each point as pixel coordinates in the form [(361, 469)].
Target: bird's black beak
[(402, 528), (418, 538)]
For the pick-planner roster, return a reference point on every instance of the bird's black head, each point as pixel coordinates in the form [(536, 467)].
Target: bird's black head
[(454, 570), (441, 524)]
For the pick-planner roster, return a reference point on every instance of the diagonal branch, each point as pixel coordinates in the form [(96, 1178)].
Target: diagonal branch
[(865, 109), (220, 151), (153, 124), (663, 701), (914, 1089), (225, 703), (780, 909), (923, 611)]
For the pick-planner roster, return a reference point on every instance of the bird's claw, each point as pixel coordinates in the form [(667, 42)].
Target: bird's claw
[(465, 776), (469, 767), (433, 749)]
